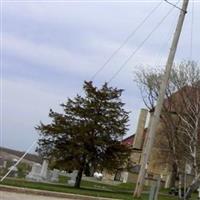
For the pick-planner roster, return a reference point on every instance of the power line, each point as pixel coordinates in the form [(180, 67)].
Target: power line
[(191, 33), (175, 6), (141, 44), (156, 115), (126, 40), (168, 38)]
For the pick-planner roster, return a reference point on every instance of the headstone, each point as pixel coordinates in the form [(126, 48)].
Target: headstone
[(54, 176), (35, 172), (188, 168), (14, 171), (36, 169), (198, 193), (44, 169), (14, 161), (154, 191), (157, 187), (4, 163), (72, 181), (168, 181), (125, 177), (1, 161), (41, 173), (48, 176)]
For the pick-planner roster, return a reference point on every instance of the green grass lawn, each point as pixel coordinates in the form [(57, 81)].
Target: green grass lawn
[(121, 191)]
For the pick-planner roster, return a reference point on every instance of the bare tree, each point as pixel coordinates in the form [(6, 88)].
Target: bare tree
[(189, 130), (180, 115)]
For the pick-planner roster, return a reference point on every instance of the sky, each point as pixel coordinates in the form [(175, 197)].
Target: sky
[(48, 49)]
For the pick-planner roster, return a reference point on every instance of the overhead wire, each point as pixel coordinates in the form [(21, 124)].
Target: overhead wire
[(168, 38), (110, 58), (191, 32), (160, 57), (126, 40), (175, 6), (141, 44)]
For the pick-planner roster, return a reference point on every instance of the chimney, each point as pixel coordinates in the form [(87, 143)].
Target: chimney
[(139, 135)]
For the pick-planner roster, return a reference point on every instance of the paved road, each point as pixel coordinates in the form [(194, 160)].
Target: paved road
[(19, 196)]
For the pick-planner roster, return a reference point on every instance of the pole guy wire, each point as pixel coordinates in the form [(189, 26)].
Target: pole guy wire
[(11, 169)]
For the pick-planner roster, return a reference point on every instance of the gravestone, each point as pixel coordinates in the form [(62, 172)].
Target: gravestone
[(4, 163), (72, 181), (38, 172), (41, 173), (54, 175), (35, 172), (154, 191), (1, 162), (44, 169), (198, 193), (14, 171), (168, 181), (125, 177), (188, 168)]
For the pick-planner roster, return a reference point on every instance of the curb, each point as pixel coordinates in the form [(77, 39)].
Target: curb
[(50, 193)]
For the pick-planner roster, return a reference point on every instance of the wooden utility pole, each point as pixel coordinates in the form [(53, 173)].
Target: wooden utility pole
[(156, 115)]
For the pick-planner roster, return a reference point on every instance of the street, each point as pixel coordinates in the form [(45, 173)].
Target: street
[(19, 196)]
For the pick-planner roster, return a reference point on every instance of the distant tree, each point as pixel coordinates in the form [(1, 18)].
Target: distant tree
[(22, 169), (87, 132)]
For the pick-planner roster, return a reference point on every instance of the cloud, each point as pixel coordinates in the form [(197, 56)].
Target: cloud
[(49, 49), (24, 104), (45, 55), (42, 56), (98, 14), (80, 21)]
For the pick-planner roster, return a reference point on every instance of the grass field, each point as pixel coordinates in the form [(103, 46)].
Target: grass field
[(121, 191)]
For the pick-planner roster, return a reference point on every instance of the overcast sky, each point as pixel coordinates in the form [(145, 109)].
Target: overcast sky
[(49, 48)]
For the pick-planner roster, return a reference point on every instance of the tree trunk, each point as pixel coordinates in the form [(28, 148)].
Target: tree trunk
[(180, 187), (193, 187), (174, 175), (79, 175)]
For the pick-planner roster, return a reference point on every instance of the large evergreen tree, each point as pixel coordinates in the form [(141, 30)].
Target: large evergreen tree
[(87, 132)]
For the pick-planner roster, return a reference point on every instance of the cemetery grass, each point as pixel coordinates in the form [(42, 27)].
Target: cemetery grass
[(121, 191)]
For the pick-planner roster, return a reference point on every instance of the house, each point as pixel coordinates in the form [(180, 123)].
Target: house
[(161, 159), (156, 166)]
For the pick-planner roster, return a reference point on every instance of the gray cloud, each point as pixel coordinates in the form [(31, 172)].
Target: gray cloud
[(49, 49)]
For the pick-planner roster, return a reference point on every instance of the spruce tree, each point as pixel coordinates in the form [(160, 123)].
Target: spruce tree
[(89, 131)]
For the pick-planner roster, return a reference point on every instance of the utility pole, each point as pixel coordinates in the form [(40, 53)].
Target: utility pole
[(156, 115)]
